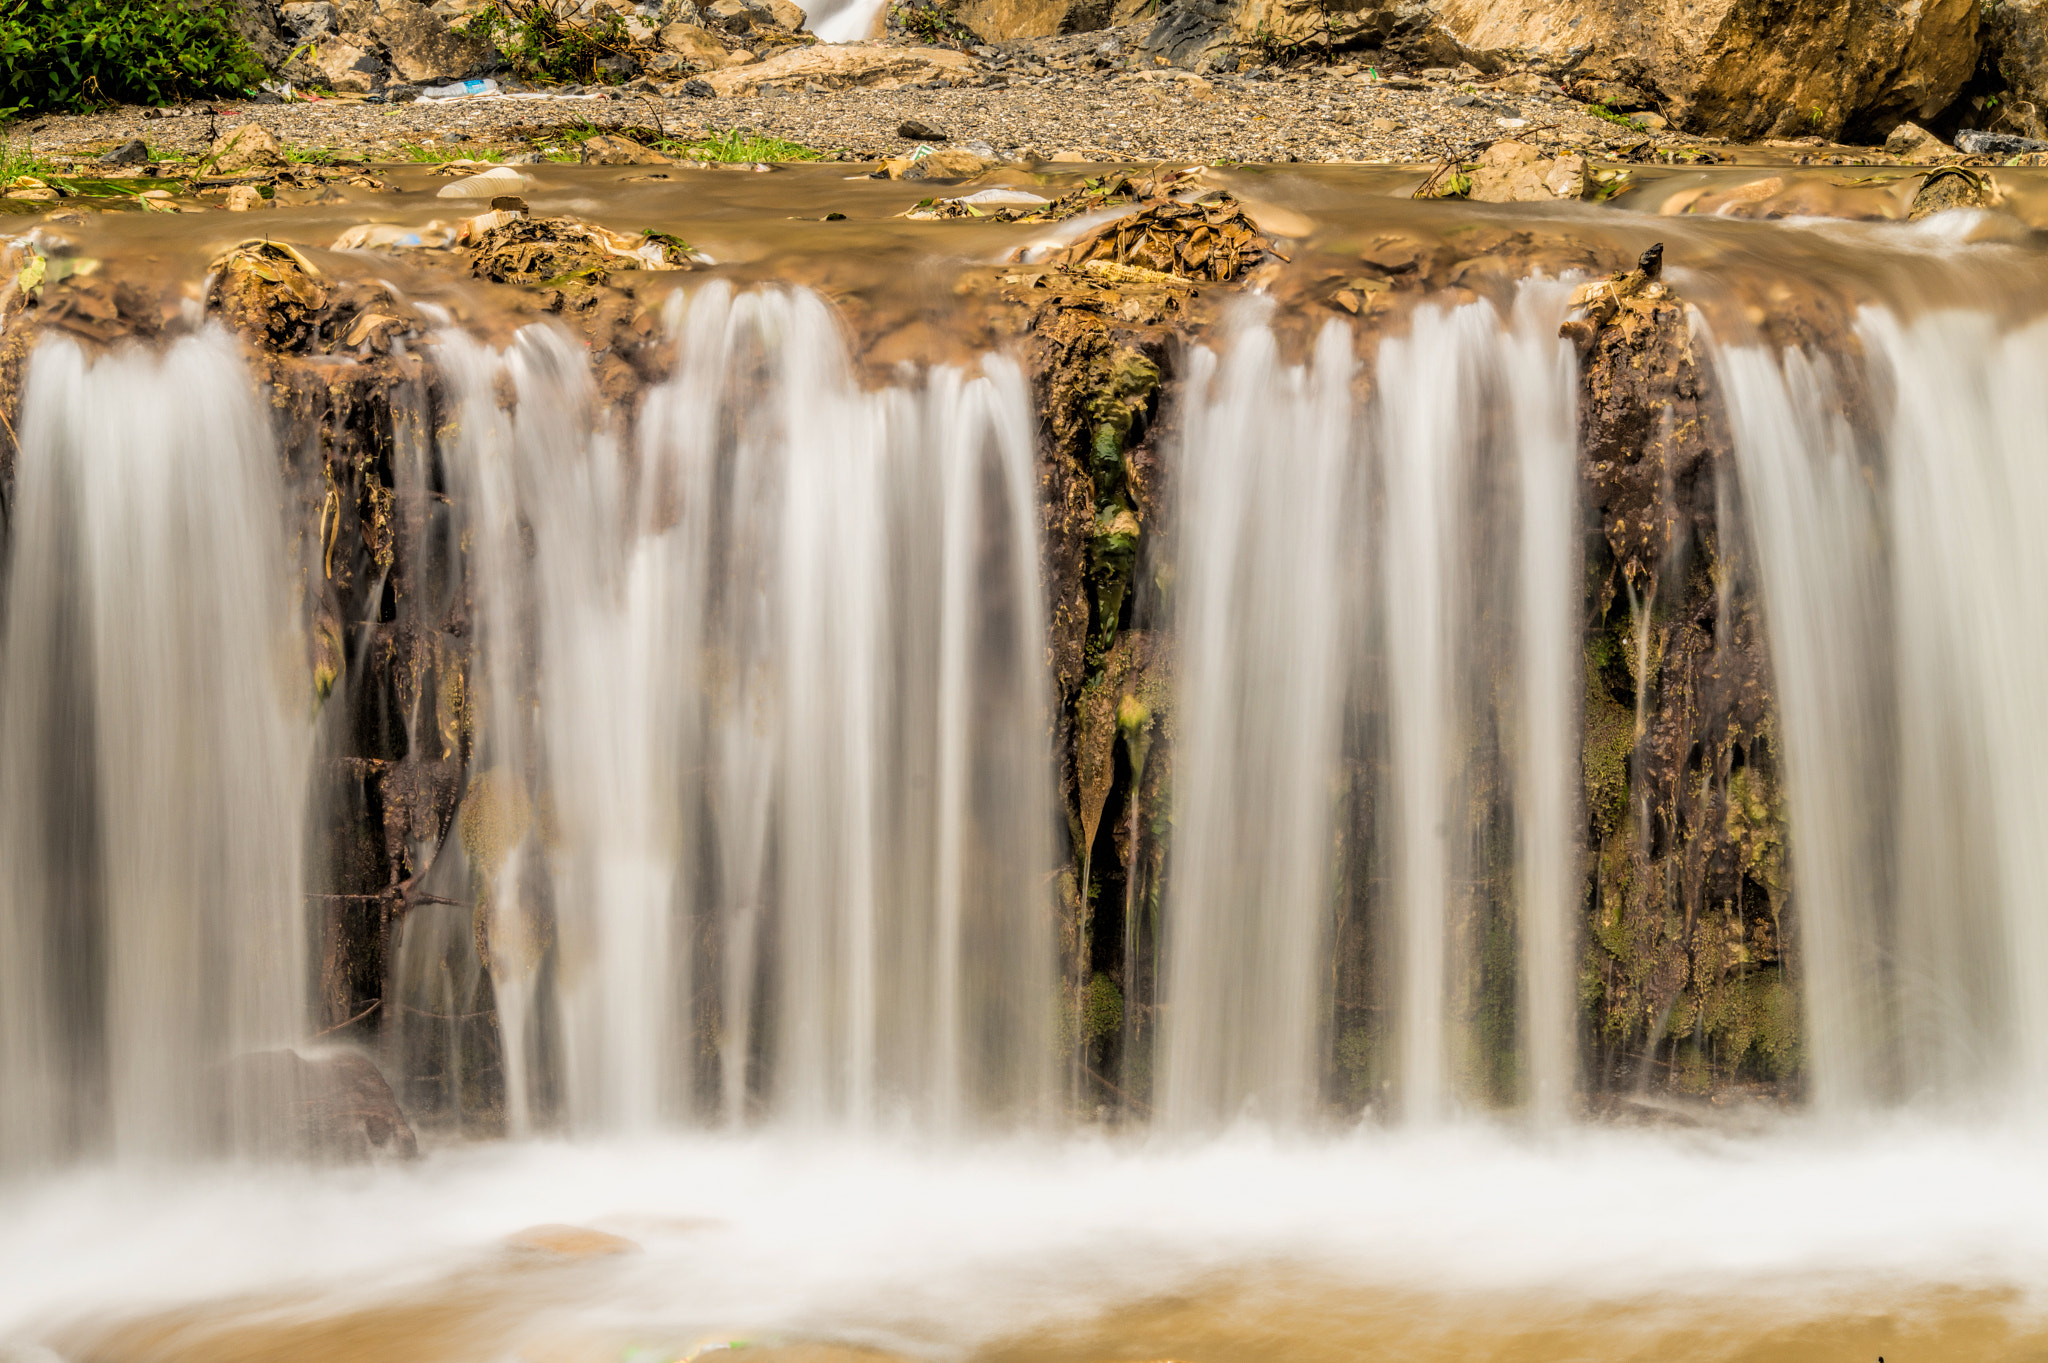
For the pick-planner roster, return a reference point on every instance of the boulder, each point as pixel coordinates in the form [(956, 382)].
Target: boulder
[(1510, 172), (421, 46), (257, 23), (1408, 26), (842, 65), (782, 14), (1002, 21), (306, 20), (245, 148), (696, 46), (953, 163), (2016, 44), (347, 69), (1739, 68), (333, 1106), (1913, 143)]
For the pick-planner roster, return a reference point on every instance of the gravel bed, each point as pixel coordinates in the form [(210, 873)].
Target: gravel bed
[(1023, 104)]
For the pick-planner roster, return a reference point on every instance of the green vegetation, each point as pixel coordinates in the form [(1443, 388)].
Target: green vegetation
[(80, 54), (437, 154), (17, 159), (544, 42), (1602, 111), (736, 144)]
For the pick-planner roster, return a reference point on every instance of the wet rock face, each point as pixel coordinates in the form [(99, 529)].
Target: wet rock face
[(1685, 968), (1743, 68), (334, 1106)]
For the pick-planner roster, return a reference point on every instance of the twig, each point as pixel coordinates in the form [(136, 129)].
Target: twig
[(350, 1023), (1143, 1106)]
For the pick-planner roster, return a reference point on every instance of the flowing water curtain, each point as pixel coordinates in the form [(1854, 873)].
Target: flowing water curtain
[(155, 704), (1901, 575), (765, 702), (1373, 892), (1271, 511), (874, 713)]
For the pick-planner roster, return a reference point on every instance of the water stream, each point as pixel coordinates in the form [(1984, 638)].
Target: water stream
[(754, 937)]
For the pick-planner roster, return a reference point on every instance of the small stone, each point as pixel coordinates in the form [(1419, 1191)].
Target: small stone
[(1383, 126), (1914, 143), (608, 150), (1566, 177), (133, 152), (244, 148), (245, 198), (698, 89), (955, 164), (1650, 122), (1997, 144), (913, 131)]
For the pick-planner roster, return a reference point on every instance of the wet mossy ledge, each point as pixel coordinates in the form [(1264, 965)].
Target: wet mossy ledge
[(1688, 964)]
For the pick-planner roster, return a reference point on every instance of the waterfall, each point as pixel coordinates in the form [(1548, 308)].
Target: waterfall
[(1902, 573), (154, 731), (1355, 578), (786, 756)]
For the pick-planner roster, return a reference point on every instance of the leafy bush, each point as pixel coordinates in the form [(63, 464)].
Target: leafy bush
[(543, 43), (78, 54)]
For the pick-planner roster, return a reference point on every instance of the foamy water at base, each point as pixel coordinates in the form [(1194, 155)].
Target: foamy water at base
[(1804, 1243)]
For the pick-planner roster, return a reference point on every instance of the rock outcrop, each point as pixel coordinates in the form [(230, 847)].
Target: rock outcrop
[(836, 67), (1741, 68)]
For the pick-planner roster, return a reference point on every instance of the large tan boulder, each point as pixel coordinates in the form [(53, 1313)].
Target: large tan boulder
[(1741, 68), (347, 68), (1407, 24), (837, 66), (1002, 21), (697, 46), (421, 46)]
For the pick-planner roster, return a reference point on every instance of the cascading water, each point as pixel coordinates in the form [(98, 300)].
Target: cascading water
[(786, 765), (1902, 583), (154, 723), (1392, 562)]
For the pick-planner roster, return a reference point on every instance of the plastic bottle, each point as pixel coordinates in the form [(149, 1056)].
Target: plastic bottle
[(460, 88)]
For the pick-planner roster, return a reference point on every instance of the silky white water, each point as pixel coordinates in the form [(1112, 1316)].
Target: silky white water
[(1902, 572), (786, 766), (1352, 572), (155, 706)]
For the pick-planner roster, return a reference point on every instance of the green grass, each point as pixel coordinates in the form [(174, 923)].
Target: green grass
[(1602, 111), (736, 144), (733, 144), (18, 159), (310, 156), (437, 155)]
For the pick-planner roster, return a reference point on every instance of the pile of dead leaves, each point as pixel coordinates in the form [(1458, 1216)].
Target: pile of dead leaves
[(1209, 240), (557, 252)]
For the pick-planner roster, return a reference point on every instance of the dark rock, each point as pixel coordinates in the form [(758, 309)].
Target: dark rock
[(1996, 144), (334, 1106), (618, 67), (698, 89), (914, 131), (130, 153), (305, 20), (402, 94), (422, 48)]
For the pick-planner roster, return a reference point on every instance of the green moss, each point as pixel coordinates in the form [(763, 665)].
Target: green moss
[(1102, 1011), (1610, 740)]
